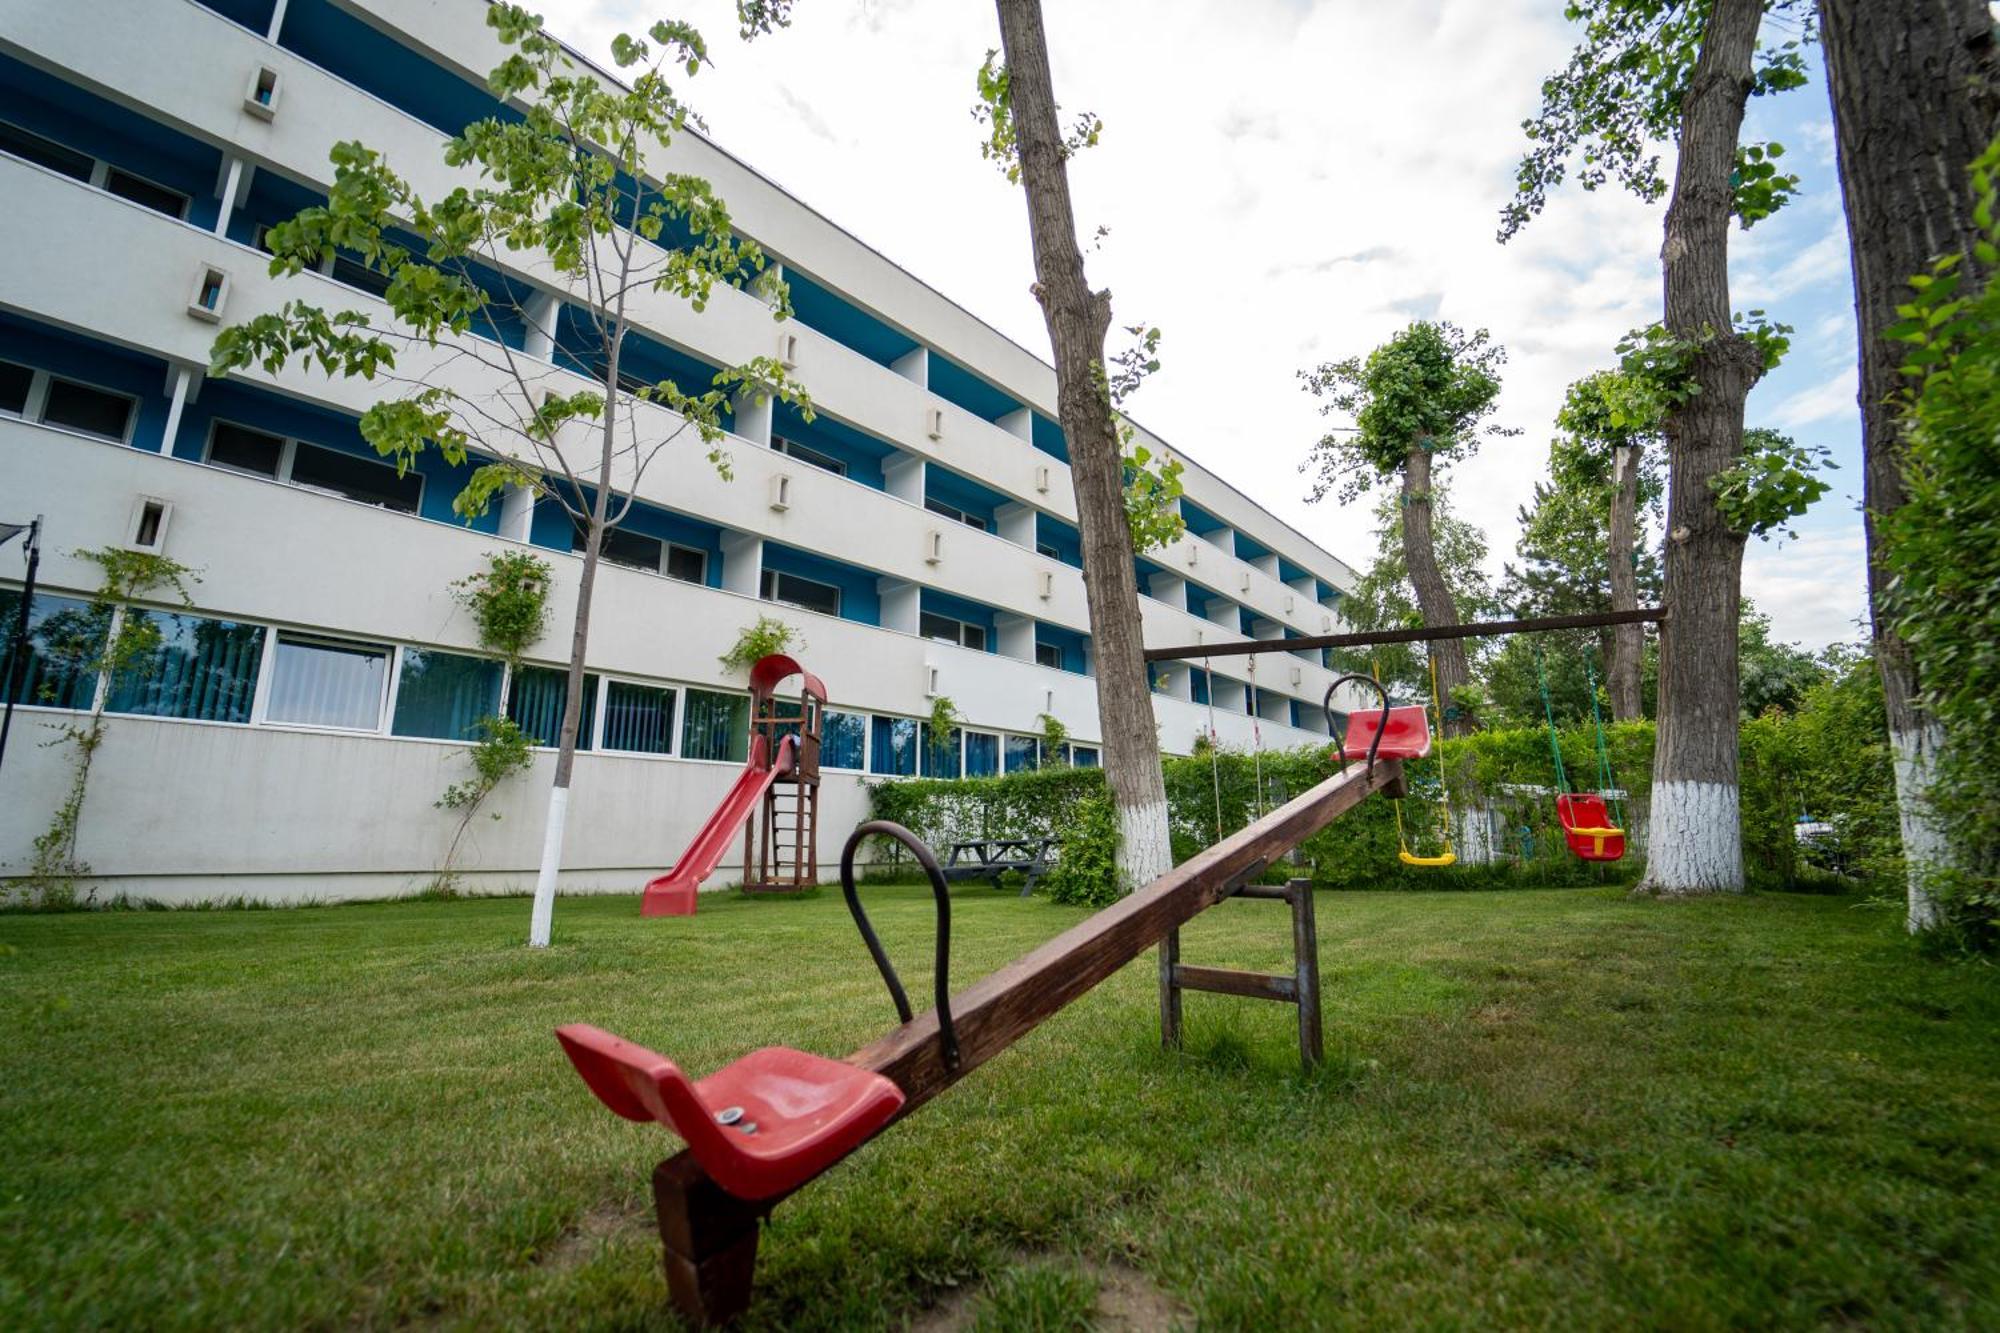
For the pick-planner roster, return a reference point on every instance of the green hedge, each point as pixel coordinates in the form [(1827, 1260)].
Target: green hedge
[(1827, 760)]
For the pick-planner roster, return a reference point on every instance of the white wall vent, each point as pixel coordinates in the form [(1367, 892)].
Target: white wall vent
[(788, 350), (933, 547), (1298, 676), (260, 99), (209, 295), (934, 422), (1047, 581), (148, 528), (1243, 580), (1042, 478), (1290, 602), (781, 492), (930, 681)]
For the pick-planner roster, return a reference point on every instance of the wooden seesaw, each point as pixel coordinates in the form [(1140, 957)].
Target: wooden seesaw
[(771, 1122)]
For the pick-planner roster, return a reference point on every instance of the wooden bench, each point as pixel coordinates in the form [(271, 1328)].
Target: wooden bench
[(989, 858)]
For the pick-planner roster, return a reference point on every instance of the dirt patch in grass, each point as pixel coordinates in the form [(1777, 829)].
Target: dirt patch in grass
[(583, 1239), (1051, 1292)]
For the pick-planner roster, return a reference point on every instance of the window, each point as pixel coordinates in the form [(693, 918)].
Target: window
[(311, 467), (45, 152), (1023, 754), (327, 683), (1043, 548), (954, 513), (1198, 686), (63, 635), (444, 695), (634, 550), (200, 669), (1083, 756), (805, 594), (947, 630), (241, 449), (84, 408), (982, 754), (1048, 655), (717, 726), (638, 718), (686, 563), (352, 478), (810, 457), (940, 753), (15, 381), (141, 191), (353, 273), (843, 740), (893, 747), (535, 702)]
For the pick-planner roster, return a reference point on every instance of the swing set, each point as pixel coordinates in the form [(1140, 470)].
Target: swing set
[(1593, 822)]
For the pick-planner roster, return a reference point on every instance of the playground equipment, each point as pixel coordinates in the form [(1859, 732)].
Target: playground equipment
[(805, 1112), (1446, 856), (775, 800), (1587, 824)]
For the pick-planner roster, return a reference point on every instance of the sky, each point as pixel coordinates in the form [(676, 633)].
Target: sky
[(1287, 182)]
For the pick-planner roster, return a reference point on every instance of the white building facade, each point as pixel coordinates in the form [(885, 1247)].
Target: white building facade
[(295, 727)]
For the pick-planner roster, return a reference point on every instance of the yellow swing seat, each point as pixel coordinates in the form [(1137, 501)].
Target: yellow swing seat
[(1410, 858)]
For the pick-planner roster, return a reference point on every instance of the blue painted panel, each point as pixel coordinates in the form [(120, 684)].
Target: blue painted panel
[(641, 360), (1249, 548), (1144, 569), (47, 106), (1066, 540), (1199, 520), (681, 531), (962, 493), (859, 599), (954, 383), (1047, 436), (958, 608), (862, 452), (1289, 572), (72, 356), (846, 323), (1198, 686), (377, 63), (1328, 594), (1246, 621), (1068, 641)]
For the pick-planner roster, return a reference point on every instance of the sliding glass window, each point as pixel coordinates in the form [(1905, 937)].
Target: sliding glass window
[(444, 695), (194, 668)]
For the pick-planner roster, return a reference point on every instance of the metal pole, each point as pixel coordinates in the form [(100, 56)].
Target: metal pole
[(17, 645)]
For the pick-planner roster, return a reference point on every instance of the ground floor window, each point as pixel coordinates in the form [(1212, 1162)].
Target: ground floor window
[(1023, 754), (1083, 756), (843, 740), (327, 683), (64, 634), (717, 726), (638, 718), (535, 704), (444, 695), (892, 749), (940, 752), (195, 668), (982, 754)]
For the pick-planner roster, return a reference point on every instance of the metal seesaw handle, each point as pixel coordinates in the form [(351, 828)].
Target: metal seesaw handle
[(1381, 727), (947, 1035)]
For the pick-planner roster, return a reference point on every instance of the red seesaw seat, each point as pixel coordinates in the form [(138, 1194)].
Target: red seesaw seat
[(1587, 827), (761, 1126), (1407, 736)]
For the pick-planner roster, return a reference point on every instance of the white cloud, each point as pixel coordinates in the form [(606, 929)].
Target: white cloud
[(1830, 398), (1815, 589)]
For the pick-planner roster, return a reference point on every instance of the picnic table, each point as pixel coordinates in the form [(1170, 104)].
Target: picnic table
[(989, 858)]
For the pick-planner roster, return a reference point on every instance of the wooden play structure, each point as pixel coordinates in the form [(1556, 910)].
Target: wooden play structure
[(774, 800)]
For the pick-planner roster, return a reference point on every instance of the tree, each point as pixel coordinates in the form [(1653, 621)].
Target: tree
[(1018, 105), (1611, 420), (1385, 597), (563, 189), (1914, 96), (1774, 675), (1646, 72), (1419, 402)]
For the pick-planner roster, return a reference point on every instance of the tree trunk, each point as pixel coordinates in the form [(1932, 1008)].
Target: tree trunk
[(542, 916), (1913, 93), (1627, 642), (1078, 319), (1696, 843), (1434, 597)]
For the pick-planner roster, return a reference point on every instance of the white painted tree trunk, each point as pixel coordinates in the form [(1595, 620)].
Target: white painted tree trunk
[(1695, 844), (1145, 852), (545, 878), (1925, 846)]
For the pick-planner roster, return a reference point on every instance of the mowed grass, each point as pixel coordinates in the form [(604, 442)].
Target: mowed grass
[(1540, 1108)]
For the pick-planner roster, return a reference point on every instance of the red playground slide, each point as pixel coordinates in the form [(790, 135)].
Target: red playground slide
[(672, 894)]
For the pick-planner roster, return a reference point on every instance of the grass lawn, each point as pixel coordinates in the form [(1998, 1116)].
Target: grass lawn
[(1541, 1108)]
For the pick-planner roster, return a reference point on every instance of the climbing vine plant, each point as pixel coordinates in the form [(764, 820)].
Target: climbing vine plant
[(1054, 736), (501, 750), (766, 636), (509, 601), (99, 639)]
